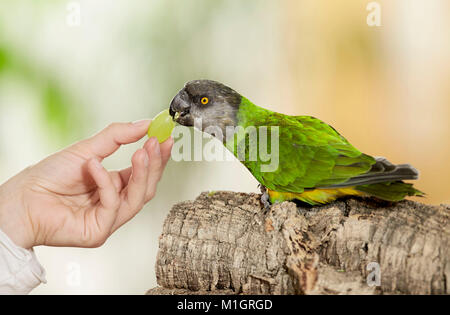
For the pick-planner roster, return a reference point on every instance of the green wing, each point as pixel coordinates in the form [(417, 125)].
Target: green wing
[(312, 154)]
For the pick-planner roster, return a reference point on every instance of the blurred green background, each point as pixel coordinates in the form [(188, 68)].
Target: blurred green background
[(385, 88)]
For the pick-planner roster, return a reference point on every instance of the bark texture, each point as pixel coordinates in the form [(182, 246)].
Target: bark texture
[(224, 243)]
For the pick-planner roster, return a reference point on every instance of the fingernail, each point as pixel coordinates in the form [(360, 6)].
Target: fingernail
[(153, 143), (97, 163), (140, 123), (146, 160), (156, 148)]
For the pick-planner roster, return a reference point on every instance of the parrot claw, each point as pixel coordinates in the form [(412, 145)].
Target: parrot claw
[(265, 199)]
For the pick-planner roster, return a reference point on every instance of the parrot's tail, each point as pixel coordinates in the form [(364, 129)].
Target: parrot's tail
[(391, 191), (382, 171)]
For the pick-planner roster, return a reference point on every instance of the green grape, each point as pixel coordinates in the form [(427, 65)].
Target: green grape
[(161, 126)]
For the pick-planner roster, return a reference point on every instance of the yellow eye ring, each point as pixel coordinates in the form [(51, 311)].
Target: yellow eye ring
[(204, 100)]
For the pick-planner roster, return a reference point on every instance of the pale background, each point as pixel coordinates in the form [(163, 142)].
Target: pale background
[(386, 89)]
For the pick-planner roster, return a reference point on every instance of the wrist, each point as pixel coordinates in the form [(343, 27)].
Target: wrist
[(14, 220)]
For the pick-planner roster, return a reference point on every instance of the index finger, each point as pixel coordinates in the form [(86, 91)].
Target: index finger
[(109, 140)]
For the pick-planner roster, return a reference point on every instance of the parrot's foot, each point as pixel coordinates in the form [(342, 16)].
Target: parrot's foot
[(265, 200)]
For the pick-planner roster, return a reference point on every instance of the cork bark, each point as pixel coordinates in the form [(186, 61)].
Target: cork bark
[(225, 243)]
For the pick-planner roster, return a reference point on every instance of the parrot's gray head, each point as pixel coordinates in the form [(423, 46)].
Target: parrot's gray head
[(206, 102)]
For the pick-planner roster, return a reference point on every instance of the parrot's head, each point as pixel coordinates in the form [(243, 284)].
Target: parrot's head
[(209, 102)]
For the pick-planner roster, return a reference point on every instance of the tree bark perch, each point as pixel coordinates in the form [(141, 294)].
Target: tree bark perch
[(224, 242)]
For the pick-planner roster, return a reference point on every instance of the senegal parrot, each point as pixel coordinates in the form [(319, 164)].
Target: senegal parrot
[(316, 164)]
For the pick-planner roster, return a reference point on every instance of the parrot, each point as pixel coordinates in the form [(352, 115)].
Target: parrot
[(317, 165)]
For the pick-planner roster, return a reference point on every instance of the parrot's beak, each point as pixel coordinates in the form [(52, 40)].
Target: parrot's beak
[(180, 108)]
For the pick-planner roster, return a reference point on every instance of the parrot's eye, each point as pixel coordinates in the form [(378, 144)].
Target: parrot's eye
[(204, 100)]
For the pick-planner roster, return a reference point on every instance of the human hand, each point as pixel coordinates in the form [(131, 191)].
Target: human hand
[(69, 199)]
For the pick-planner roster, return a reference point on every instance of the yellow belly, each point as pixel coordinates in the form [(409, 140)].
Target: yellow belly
[(314, 197)]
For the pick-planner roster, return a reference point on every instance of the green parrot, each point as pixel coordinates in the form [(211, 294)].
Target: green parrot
[(316, 164)]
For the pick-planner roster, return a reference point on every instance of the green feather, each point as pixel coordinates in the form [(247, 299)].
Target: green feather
[(394, 191)]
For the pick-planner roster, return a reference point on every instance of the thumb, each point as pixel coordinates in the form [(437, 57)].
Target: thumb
[(109, 140)]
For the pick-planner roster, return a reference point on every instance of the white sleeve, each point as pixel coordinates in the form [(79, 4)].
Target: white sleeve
[(20, 272)]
